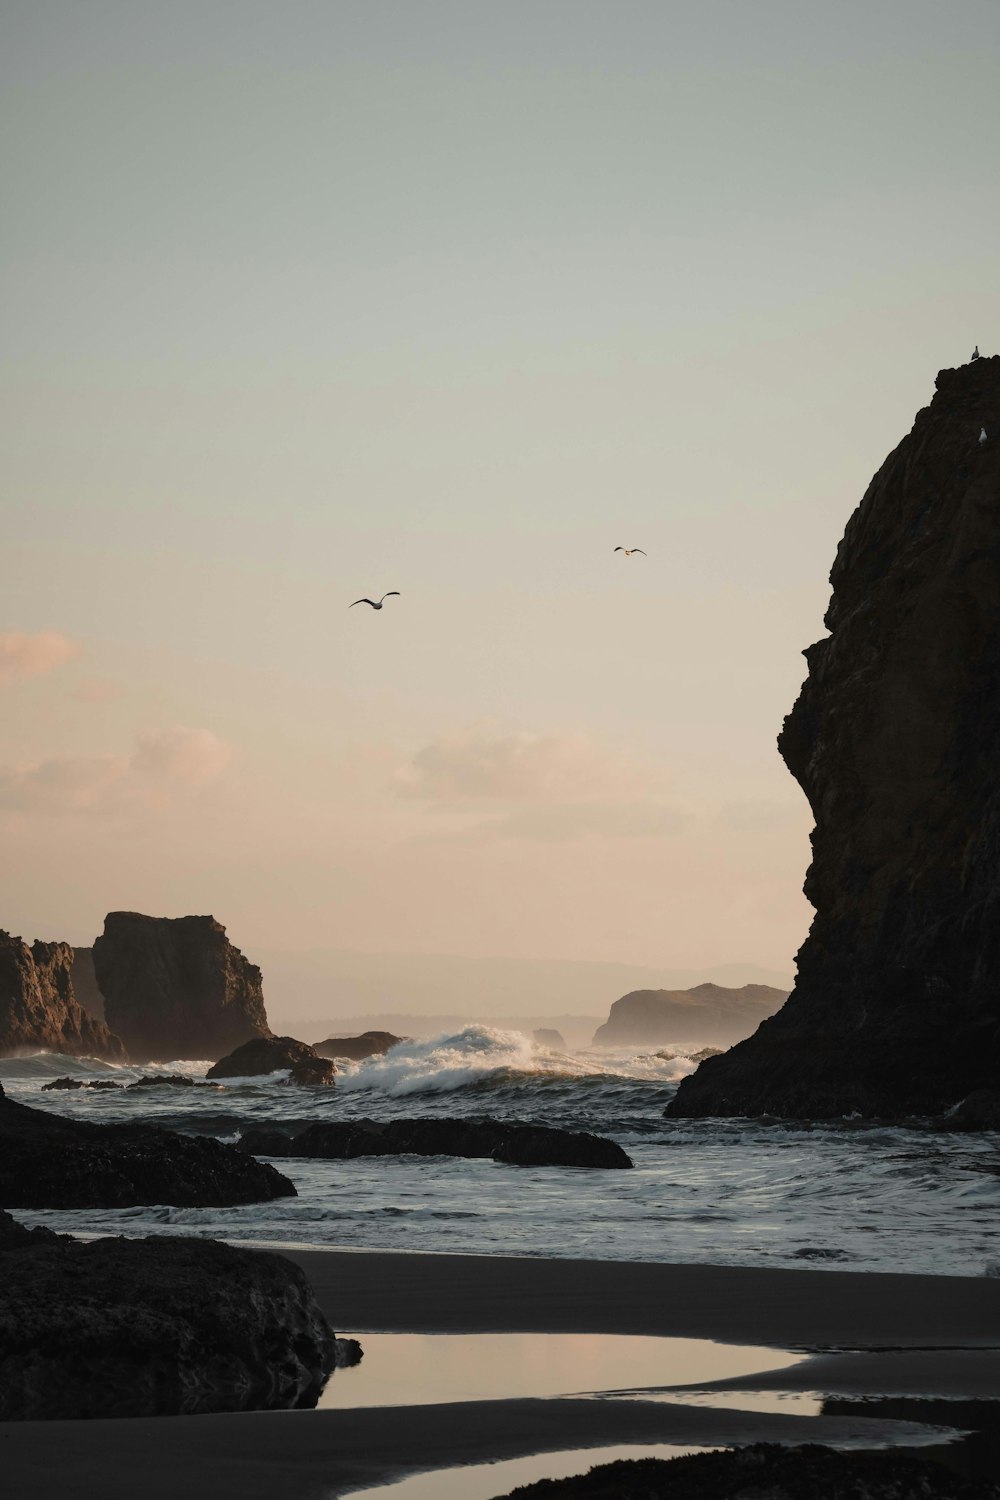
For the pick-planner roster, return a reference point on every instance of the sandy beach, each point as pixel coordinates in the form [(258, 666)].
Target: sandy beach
[(904, 1334)]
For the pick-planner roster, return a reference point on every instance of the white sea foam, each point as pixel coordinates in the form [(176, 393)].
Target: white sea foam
[(479, 1055)]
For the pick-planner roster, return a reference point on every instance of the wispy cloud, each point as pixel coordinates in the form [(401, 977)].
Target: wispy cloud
[(23, 656), (476, 766), (164, 764), (542, 787)]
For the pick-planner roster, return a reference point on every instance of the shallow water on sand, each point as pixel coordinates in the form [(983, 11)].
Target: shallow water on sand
[(483, 1481), (729, 1192), (408, 1369)]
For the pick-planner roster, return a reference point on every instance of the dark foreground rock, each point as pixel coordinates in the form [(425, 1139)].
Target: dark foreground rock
[(895, 739), (38, 1006), (979, 1111), (271, 1054), (176, 987), (122, 1328), (357, 1048), (47, 1161), (765, 1471), (502, 1140)]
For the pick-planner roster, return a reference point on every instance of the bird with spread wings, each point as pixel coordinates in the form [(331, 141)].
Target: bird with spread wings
[(628, 551), (376, 604)]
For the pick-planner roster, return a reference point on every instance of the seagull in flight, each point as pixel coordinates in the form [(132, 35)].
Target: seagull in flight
[(628, 551), (372, 602)]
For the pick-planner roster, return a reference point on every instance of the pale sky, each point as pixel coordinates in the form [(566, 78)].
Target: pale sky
[(311, 300)]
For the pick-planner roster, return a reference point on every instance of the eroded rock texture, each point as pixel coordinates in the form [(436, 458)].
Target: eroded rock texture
[(895, 739), (38, 1007), (119, 1328), (176, 987)]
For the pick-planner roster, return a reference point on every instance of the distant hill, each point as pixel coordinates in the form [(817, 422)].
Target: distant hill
[(706, 1013), (337, 989)]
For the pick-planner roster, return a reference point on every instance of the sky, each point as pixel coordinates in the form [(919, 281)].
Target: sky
[(310, 301)]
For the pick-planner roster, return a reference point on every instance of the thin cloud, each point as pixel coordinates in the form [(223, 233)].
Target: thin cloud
[(474, 766), (543, 788), (23, 656), (165, 764)]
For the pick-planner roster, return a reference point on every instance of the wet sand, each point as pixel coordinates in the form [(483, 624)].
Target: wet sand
[(926, 1321)]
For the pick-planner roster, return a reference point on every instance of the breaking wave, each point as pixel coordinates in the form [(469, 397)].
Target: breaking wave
[(481, 1057)]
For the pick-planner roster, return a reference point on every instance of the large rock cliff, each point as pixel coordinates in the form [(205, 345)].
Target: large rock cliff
[(177, 987), (895, 740), (38, 1007)]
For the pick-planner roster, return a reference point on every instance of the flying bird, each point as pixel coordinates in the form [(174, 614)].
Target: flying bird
[(629, 550), (372, 602)]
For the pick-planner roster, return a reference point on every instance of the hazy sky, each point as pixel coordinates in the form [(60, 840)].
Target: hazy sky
[(310, 300)]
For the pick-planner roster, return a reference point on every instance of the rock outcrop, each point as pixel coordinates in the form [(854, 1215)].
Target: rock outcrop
[(151, 1327), (506, 1141), (765, 1471), (357, 1048), (273, 1054), (895, 739), (38, 1008), (80, 1083), (707, 1013), (176, 987), (48, 1161), (85, 985), (546, 1036)]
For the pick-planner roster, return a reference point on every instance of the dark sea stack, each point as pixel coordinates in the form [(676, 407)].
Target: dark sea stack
[(176, 987), (504, 1141), (272, 1054), (765, 1471), (151, 1327), (357, 1048), (895, 739), (48, 1161), (38, 1007), (707, 1013), (546, 1036)]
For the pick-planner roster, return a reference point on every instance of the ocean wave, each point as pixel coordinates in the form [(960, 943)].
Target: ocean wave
[(481, 1057), (27, 1066)]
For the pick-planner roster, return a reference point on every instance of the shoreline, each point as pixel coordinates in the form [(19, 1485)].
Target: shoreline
[(910, 1330)]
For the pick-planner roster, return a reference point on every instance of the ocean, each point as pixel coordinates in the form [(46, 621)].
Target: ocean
[(841, 1194)]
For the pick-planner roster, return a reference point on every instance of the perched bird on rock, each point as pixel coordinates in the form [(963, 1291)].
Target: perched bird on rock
[(982, 436), (379, 603), (628, 551), (975, 354)]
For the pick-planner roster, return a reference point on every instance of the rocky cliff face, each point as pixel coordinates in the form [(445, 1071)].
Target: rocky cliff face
[(38, 1007), (895, 739), (707, 1013), (177, 987), (85, 986)]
